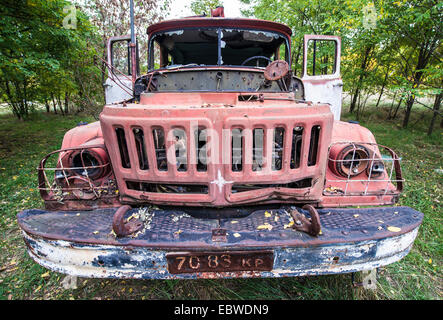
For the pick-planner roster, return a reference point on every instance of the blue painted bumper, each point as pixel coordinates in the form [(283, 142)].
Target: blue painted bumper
[(82, 243)]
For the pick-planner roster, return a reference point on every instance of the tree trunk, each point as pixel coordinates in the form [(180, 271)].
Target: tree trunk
[(295, 61), (382, 87), (409, 105), (66, 103), (47, 106), (437, 103), (60, 106), (392, 104), (54, 105), (360, 79), (396, 109)]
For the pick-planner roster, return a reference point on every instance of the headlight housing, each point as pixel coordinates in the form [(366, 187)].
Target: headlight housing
[(348, 161), (90, 163)]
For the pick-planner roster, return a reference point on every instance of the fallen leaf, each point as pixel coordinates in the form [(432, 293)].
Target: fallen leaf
[(356, 215), (95, 232), (234, 221), (236, 235), (290, 224), (381, 221), (267, 214), (380, 228), (45, 275), (430, 261), (265, 226), (394, 229)]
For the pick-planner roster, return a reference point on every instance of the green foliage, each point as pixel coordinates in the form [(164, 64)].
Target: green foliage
[(200, 7), (39, 57), (387, 46)]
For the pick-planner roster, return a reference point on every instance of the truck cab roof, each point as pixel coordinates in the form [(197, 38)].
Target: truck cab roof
[(217, 41)]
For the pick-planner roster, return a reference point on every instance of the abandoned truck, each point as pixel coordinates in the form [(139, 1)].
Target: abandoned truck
[(220, 162)]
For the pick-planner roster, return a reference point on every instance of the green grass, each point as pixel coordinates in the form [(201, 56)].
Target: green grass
[(417, 276)]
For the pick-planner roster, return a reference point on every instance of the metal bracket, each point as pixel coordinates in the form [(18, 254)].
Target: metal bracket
[(311, 226), (122, 228)]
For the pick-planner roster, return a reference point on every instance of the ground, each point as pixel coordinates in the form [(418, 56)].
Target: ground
[(417, 276)]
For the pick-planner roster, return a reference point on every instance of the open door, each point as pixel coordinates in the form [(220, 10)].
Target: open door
[(321, 71), (118, 85)]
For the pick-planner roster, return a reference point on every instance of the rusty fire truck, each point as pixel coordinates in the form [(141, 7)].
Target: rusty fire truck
[(220, 162)]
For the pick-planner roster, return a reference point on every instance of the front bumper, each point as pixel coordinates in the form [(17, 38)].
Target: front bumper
[(82, 243)]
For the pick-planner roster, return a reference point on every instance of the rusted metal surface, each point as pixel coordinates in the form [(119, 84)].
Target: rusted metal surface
[(199, 22), (351, 240), (347, 160), (311, 226), (217, 79), (228, 261), (77, 176), (174, 229), (218, 12), (276, 70), (219, 177), (208, 143), (122, 227)]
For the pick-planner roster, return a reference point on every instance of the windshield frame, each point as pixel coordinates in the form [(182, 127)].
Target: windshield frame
[(151, 40)]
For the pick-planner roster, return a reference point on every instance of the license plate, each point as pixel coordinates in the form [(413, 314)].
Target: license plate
[(191, 262)]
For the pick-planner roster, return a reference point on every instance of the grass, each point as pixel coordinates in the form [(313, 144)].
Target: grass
[(417, 276)]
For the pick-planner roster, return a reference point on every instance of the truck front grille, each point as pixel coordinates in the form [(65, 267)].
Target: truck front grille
[(221, 160)]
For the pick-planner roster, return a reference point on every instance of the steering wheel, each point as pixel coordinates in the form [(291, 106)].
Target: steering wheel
[(255, 57)]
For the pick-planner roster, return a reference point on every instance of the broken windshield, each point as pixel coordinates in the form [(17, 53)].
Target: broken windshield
[(216, 46)]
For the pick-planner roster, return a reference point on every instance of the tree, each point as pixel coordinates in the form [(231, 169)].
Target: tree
[(111, 17), (396, 52), (201, 7), (36, 54), (416, 26)]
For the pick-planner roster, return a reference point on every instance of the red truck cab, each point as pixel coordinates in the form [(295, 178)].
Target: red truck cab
[(220, 162)]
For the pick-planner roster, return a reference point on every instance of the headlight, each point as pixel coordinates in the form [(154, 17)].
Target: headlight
[(92, 163), (376, 169), (349, 161)]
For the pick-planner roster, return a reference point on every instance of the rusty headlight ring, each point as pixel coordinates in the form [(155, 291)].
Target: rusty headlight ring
[(351, 161)]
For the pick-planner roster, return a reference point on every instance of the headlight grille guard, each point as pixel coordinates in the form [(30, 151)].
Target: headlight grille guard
[(74, 183), (389, 182)]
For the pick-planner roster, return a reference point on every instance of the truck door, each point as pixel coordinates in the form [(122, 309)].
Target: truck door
[(321, 71), (118, 85)]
